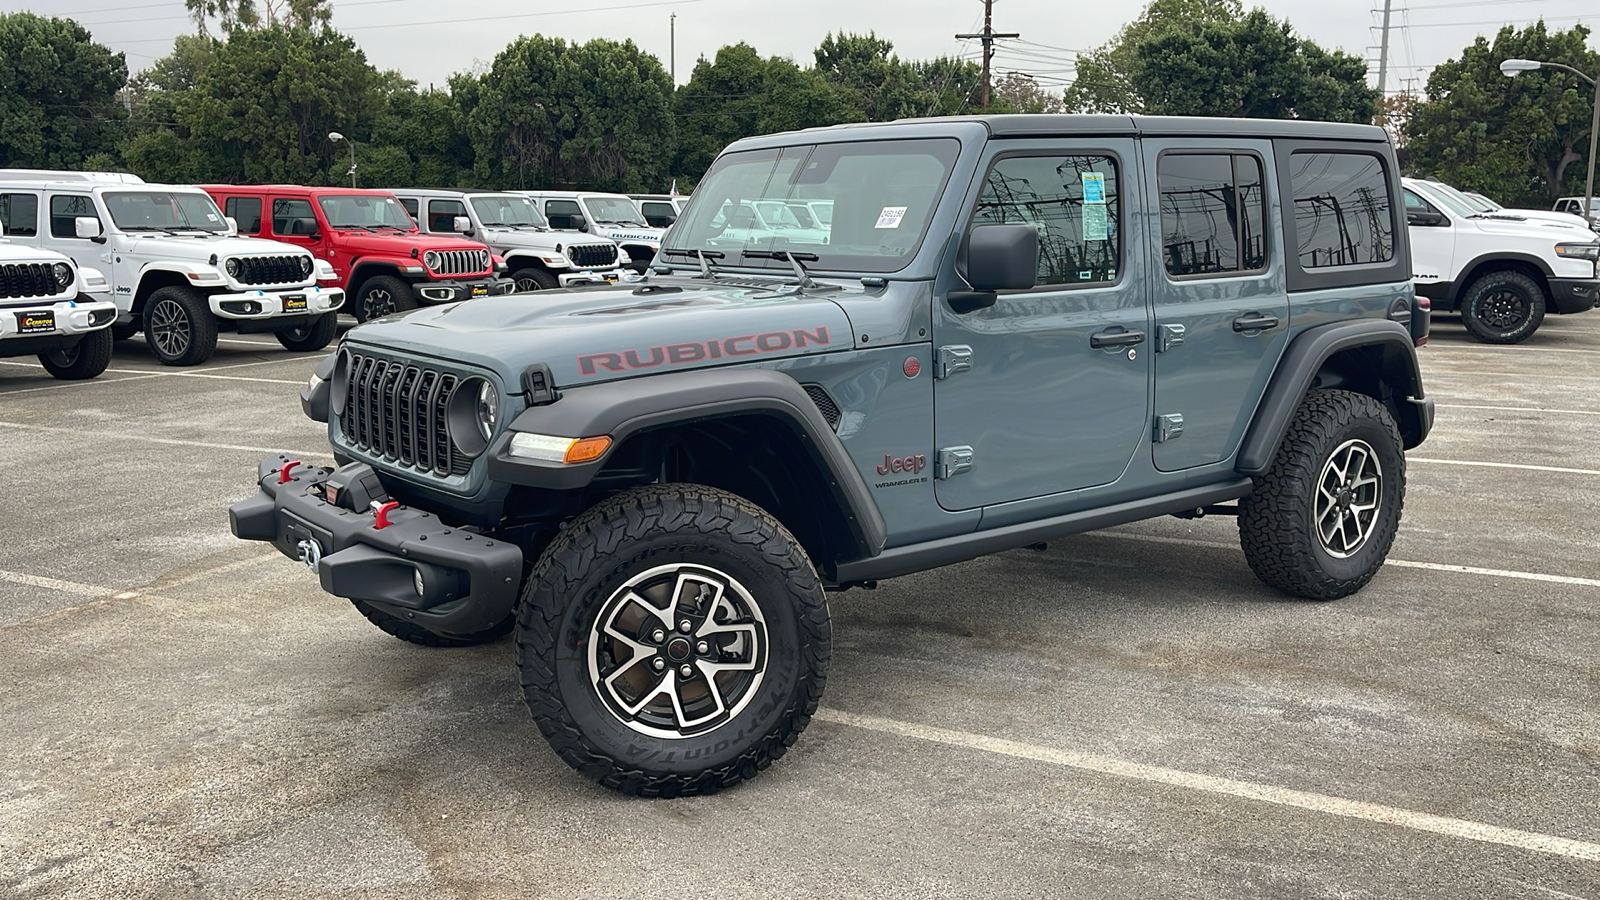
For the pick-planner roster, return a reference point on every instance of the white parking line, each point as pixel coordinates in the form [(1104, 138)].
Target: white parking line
[(99, 593), (1531, 409), (1211, 784), (1399, 563), (56, 584), (1500, 465), (134, 436)]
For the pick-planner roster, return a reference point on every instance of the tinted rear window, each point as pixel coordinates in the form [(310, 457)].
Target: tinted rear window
[(1341, 209)]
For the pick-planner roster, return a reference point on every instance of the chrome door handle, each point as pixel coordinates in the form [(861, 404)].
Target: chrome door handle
[(1254, 322), (1101, 339)]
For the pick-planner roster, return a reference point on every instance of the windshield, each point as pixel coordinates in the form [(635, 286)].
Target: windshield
[(365, 211), (1443, 195), (165, 211), (777, 215), (508, 212), (613, 211), (880, 196)]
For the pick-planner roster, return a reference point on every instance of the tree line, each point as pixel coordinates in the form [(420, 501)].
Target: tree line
[(256, 102)]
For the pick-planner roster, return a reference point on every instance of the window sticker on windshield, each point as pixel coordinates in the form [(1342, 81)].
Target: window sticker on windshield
[(1094, 187), (211, 217), (1095, 224), (891, 216)]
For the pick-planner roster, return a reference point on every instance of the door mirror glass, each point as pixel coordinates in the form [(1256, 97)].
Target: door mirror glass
[(1425, 218), (1003, 257), (461, 225), (87, 227)]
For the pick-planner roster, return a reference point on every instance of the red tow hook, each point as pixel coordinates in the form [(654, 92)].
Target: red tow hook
[(380, 518), (283, 473)]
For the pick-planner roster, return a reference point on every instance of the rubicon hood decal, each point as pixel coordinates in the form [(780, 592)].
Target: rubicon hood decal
[(730, 348)]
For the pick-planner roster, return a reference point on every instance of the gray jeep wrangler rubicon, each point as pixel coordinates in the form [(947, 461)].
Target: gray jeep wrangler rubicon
[(1013, 329)]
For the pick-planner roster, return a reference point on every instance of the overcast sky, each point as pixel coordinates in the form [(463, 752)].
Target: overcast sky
[(428, 40)]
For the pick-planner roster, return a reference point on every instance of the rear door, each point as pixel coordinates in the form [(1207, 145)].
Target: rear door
[(1221, 306), (1433, 246)]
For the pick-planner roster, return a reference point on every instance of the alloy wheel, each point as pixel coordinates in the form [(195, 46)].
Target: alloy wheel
[(376, 303), (1349, 498), (169, 328), (1503, 309)]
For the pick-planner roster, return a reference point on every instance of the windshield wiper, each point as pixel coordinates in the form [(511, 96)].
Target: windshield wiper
[(703, 255), (143, 228), (794, 260)]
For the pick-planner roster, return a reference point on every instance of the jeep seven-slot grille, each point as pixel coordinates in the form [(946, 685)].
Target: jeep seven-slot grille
[(396, 410), (271, 270), (27, 280), (460, 262), (593, 256), (825, 404)]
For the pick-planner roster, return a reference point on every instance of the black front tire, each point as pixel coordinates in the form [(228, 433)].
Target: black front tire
[(416, 634), (86, 359), (534, 278), (754, 654), (1299, 528), (1503, 307), (382, 295), (121, 331), (179, 327), (310, 336)]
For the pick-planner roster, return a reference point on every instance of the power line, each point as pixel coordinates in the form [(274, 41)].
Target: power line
[(987, 37)]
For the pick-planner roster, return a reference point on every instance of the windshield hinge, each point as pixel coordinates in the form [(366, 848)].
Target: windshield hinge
[(539, 386)]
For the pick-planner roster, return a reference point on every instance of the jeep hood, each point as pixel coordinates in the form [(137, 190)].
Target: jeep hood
[(589, 335), (200, 250), (398, 243)]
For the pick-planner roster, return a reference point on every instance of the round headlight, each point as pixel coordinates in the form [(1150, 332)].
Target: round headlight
[(483, 259), (488, 409), (305, 265), (63, 274), (431, 259), (232, 266)]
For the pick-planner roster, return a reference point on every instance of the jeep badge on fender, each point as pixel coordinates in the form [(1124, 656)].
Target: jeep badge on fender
[(653, 484)]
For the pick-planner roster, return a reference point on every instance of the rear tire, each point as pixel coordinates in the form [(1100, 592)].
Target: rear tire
[(179, 327), (85, 359), (1504, 307), (382, 295), (653, 583), (534, 278), (416, 634), (310, 336), (1322, 519)]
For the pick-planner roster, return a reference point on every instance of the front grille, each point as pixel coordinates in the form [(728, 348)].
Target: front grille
[(458, 262), (27, 280), (396, 410), (271, 270), (825, 404), (593, 256)]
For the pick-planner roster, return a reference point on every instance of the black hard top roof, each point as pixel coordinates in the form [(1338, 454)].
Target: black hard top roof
[(1047, 126)]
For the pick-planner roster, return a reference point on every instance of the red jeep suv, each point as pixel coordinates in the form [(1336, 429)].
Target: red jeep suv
[(384, 263)]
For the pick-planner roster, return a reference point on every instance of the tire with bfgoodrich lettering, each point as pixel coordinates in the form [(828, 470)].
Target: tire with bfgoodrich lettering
[(673, 640)]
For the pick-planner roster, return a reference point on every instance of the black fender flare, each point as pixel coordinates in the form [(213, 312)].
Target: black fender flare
[(1461, 283), (622, 409), (1297, 371)]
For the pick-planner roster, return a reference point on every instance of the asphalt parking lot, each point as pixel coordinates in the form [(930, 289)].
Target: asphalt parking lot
[(1126, 714)]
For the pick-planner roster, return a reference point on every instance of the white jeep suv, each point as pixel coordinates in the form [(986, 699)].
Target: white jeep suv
[(1502, 274), (512, 226), (611, 216), (52, 308), (177, 268)]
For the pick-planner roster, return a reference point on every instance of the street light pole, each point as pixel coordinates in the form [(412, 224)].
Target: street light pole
[(1511, 67), (336, 137)]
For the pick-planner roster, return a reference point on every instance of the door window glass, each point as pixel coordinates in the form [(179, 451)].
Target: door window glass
[(563, 213), (64, 212), (20, 214), (246, 211), (1074, 204), (293, 217), (411, 206), (442, 215), (1213, 213), (1342, 214)]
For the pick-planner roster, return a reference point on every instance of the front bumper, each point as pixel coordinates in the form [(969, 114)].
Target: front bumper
[(1570, 295), (455, 291), (470, 581), (596, 276), (56, 319), (251, 305)]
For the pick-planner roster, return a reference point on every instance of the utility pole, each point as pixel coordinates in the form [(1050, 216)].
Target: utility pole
[(1383, 48), (672, 48), (988, 37)]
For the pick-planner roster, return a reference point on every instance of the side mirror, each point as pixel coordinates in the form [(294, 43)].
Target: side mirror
[(461, 225), (87, 227), (999, 258), (583, 225), (233, 224), (1425, 218)]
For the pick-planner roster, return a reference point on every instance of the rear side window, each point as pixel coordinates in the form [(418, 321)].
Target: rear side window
[(293, 217), (1342, 213), (1213, 210), (246, 211), (1074, 202), (442, 214), (20, 213), (65, 209)]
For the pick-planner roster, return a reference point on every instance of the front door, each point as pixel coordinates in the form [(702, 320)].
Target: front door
[(1047, 388), (294, 221), (1221, 307), (61, 235)]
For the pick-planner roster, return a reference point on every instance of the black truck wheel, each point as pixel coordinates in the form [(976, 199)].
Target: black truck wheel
[(179, 327), (1503, 307), (1321, 520), (382, 295), (533, 278), (673, 640), (310, 335), (85, 359), (416, 634)]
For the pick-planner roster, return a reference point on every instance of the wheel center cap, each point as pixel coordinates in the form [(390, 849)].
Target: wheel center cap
[(678, 649)]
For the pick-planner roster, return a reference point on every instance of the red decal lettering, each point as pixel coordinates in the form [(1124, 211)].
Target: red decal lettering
[(919, 462), (730, 346), (683, 353), (772, 341), (715, 348), (611, 362), (803, 337), (656, 358)]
